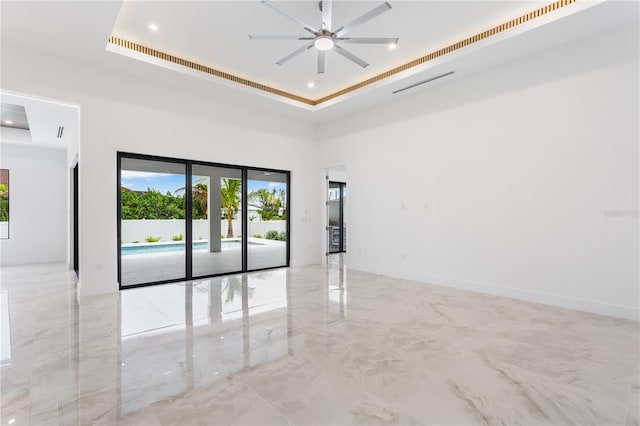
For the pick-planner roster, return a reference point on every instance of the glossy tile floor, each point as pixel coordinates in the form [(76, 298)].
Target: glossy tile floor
[(318, 345)]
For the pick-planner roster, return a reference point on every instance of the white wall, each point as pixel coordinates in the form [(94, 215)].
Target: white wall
[(120, 113), (520, 181), (337, 175), (38, 204)]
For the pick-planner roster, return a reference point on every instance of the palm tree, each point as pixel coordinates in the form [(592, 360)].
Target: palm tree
[(266, 201), (230, 200), (282, 200), (199, 197), (200, 200)]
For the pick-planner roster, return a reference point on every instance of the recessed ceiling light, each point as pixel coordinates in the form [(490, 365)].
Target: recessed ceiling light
[(393, 46), (9, 122), (310, 84), (153, 27)]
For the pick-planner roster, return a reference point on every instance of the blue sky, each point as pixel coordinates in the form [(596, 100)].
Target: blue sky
[(257, 184), (140, 181)]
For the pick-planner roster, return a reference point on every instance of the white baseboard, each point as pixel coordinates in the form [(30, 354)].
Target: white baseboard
[(618, 311)]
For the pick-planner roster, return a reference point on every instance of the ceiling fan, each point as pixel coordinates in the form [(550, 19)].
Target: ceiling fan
[(324, 38)]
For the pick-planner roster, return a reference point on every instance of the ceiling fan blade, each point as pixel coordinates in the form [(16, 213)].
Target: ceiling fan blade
[(369, 40), (326, 14), (321, 57), (350, 56), (364, 18), (294, 54), (279, 37), (289, 15)]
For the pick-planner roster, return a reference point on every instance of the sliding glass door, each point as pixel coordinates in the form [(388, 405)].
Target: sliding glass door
[(152, 221), (216, 220), (181, 219), (267, 215)]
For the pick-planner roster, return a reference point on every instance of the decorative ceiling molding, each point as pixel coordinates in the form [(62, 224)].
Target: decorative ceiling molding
[(116, 41), (145, 50)]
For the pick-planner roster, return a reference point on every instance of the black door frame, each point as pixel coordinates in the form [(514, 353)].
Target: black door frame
[(188, 216), (76, 205), (342, 186)]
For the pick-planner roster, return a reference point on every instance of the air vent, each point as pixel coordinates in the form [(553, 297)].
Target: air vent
[(60, 130), (422, 82)]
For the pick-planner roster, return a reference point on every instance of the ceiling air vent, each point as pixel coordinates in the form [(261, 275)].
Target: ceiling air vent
[(422, 82), (60, 130)]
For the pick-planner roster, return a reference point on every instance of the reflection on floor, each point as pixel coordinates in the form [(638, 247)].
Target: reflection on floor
[(144, 268), (319, 345)]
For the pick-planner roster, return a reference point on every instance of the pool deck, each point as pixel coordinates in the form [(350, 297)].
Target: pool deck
[(144, 268)]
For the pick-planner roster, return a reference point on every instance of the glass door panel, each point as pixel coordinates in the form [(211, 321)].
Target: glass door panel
[(267, 199), (152, 221), (335, 217), (217, 220), (344, 217)]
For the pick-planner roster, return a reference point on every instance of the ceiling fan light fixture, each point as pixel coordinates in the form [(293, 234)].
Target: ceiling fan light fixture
[(324, 38), (323, 43)]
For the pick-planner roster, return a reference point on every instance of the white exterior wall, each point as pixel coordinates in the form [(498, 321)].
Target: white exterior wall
[(138, 230)]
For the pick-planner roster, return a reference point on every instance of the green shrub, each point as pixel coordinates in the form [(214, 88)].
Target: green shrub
[(221, 236), (282, 236), (4, 209), (258, 236), (176, 237), (152, 204), (271, 235), (151, 239), (135, 242)]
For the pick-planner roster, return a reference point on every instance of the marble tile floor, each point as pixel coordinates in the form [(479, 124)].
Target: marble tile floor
[(315, 345)]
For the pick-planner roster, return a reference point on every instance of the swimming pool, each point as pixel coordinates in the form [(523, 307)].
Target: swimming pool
[(176, 247)]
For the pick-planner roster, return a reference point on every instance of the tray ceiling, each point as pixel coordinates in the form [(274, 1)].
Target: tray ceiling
[(216, 35)]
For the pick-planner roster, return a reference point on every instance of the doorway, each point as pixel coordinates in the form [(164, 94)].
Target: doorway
[(76, 243), (337, 227)]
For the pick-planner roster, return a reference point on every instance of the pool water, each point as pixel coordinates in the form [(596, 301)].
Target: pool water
[(177, 246)]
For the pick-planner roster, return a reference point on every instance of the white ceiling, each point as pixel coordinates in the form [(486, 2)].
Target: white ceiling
[(45, 117), (215, 33)]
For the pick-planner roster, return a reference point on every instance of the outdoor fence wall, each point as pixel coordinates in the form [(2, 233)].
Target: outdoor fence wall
[(138, 230), (261, 228)]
